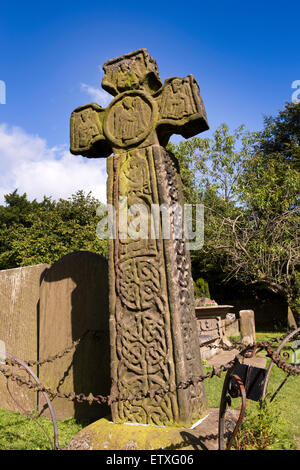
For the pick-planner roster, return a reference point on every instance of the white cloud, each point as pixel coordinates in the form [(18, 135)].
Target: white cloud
[(99, 96), (29, 165)]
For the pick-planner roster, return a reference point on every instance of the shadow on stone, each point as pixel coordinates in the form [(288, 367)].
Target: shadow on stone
[(74, 299)]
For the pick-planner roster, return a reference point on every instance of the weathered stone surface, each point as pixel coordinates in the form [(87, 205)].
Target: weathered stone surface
[(19, 307), (154, 339), (247, 326), (143, 112), (211, 321), (232, 327), (74, 299), (104, 435), (291, 319), (153, 327)]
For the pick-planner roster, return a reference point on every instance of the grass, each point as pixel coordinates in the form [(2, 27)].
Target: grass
[(286, 405), (17, 432)]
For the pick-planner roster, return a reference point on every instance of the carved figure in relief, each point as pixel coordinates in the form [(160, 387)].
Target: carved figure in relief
[(139, 66), (178, 101), (87, 129), (136, 172), (129, 79), (125, 120), (135, 185), (129, 121)]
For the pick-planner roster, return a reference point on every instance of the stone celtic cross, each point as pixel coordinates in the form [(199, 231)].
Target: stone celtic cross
[(153, 330)]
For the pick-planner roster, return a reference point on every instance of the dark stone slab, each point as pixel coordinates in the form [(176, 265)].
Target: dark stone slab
[(19, 309), (74, 299)]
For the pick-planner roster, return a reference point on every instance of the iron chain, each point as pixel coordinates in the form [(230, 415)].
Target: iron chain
[(248, 351)]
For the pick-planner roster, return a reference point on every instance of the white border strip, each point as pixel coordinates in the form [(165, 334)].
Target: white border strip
[(156, 426)]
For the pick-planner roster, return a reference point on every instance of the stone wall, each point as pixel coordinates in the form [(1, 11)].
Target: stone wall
[(74, 299), (43, 309), (19, 314)]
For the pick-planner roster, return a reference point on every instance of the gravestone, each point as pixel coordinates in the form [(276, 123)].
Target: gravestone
[(291, 321), (74, 299), (247, 327), (153, 330), (19, 307), (211, 321), (232, 327)]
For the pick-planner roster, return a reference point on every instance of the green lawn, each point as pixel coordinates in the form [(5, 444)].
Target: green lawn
[(17, 432), (286, 404)]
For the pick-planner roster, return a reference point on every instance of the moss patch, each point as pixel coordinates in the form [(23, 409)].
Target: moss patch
[(104, 435)]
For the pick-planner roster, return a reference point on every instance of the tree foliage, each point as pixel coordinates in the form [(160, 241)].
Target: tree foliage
[(249, 184), (280, 138), (41, 232)]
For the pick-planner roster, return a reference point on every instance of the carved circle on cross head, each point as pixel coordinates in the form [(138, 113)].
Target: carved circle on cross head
[(129, 119)]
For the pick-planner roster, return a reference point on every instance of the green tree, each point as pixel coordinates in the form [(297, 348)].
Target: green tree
[(270, 188), (41, 232), (215, 164), (280, 137), (249, 186)]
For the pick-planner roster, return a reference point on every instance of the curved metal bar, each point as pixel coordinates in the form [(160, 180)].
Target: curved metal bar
[(279, 388), (27, 413), (242, 412), (223, 405), (280, 347), (25, 366)]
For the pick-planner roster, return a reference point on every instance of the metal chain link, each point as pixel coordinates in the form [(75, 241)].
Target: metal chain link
[(248, 351), (80, 398), (59, 355), (282, 363)]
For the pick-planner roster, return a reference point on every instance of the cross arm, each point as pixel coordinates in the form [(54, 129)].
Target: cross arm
[(181, 109), (86, 132)]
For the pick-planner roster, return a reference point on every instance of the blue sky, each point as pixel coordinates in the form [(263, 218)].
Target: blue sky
[(244, 56)]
